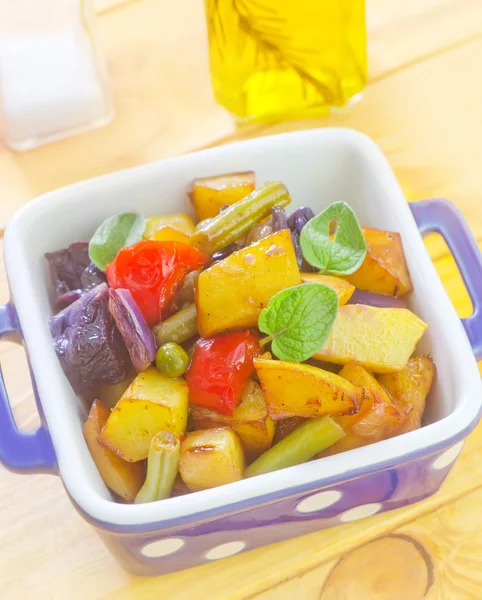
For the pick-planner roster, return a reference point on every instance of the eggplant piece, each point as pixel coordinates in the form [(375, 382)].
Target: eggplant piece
[(88, 344)]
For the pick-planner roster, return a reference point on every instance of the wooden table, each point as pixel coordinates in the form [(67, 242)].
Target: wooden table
[(423, 107)]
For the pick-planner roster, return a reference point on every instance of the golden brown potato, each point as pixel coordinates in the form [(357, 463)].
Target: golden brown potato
[(178, 221), (410, 388), (342, 287), (384, 270), (298, 390), (123, 478), (232, 293), (211, 457), (169, 234), (250, 420), (377, 419), (380, 339), (152, 403), (209, 194)]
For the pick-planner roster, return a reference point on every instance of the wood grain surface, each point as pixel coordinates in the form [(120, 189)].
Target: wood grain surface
[(423, 107)]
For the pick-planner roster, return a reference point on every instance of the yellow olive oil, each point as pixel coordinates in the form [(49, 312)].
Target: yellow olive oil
[(286, 59)]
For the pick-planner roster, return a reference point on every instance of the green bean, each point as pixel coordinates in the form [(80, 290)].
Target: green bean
[(178, 328), (230, 224), (311, 437), (172, 360), (162, 467)]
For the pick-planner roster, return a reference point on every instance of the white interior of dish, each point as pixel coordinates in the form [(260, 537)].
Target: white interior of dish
[(318, 167)]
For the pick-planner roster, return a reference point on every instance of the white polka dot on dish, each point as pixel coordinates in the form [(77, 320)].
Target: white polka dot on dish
[(318, 501), (225, 550), (448, 457), (164, 547), (360, 512)]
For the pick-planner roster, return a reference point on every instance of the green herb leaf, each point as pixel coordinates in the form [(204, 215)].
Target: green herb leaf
[(345, 252), (115, 233), (299, 320)]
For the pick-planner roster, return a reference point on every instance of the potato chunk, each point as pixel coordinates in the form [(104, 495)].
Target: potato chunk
[(178, 221), (209, 194), (250, 420), (170, 234), (232, 293), (380, 339), (342, 287), (211, 457), (298, 390), (123, 478), (384, 270), (377, 419), (410, 388), (153, 402)]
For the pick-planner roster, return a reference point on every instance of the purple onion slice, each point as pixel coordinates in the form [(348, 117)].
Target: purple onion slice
[(378, 300), (133, 327)]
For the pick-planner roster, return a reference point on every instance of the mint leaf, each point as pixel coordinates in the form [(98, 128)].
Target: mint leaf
[(343, 254), (115, 233), (299, 320)]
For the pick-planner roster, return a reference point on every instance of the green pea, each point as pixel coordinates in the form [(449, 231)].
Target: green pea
[(172, 360)]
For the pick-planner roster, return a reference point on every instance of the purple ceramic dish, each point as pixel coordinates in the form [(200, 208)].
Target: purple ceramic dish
[(318, 167)]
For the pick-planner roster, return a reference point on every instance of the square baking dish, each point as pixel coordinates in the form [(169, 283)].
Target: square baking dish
[(318, 167)]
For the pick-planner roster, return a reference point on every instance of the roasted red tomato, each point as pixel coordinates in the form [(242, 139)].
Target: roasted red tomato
[(220, 368), (153, 271)]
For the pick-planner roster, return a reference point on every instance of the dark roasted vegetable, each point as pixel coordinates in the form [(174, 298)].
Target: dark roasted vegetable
[(279, 219), (72, 273), (279, 222), (88, 343), (296, 222), (68, 298), (299, 218), (225, 252), (185, 295), (378, 300), (133, 327)]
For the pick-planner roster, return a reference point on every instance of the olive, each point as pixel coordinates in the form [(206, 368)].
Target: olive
[(172, 360)]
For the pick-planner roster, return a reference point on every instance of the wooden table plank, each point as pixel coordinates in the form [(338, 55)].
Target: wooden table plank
[(447, 542)]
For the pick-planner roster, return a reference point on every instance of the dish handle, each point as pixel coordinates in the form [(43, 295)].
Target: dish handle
[(441, 216), (21, 452)]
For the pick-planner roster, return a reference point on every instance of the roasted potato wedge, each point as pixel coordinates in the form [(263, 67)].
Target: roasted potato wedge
[(123, 478), (211, 457), (410, 388), (380, 339), (342, 287), (209, 194), (377, 419), (153, 402), (232, 293), (178, 221), (298, 390), (250, 420), (169, 234), (384, 270)]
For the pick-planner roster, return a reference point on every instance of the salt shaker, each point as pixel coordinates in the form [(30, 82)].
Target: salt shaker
[(53, 80)]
